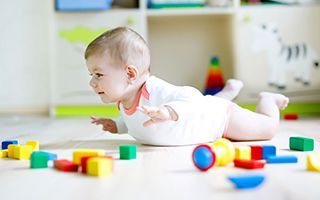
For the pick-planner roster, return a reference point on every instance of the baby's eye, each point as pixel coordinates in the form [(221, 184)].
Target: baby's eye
[(98, 75)]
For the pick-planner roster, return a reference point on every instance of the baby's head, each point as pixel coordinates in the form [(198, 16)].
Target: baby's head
[(124, 46), (117, 60)]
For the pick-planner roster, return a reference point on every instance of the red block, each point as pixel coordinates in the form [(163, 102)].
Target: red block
[(84, 161), (256, 152), (292, 116), (249, 164), (65, 165)]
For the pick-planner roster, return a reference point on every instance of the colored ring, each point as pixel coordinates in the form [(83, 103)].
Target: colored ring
[(203, 157)]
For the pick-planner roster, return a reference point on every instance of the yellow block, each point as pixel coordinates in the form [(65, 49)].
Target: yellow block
[(79, 153), (22, 152), (4, 153), (99, 166), (313, 162), (11, 148), (34, 144), (224, 151), (243, 153)]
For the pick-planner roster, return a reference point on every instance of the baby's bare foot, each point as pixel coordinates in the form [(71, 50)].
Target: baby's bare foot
[(234, 85), (280, 100), (231, 89)]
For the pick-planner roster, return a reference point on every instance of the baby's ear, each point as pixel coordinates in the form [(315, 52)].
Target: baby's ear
[(132, 72)]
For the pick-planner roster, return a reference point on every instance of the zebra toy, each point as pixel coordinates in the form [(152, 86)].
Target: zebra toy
[(298, 58)]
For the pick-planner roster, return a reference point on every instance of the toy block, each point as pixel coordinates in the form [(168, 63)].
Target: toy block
[(6, 143), (99, 166), (11, 149), (34, 144), (52, 156), (39, 159), (268, 150), (22, 152), (243, 153), (301, 144), (245, 181), (292, 116), (313, 162), (203, 157), (79, 153), (84, 162), (256, 152), (4, 153), (282, 159), (249, 164), (128, 152), (65, 165)]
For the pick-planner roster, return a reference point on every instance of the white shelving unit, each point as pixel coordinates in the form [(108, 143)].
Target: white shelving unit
[(182, 42)]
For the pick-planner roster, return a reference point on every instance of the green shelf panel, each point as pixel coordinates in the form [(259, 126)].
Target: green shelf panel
[(85, 111)]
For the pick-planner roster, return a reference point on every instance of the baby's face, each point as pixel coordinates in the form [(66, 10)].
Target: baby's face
[(108, 80)]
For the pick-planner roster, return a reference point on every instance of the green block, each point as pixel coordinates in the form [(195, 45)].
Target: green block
[(301, 144), (128, 152), (39, 159)]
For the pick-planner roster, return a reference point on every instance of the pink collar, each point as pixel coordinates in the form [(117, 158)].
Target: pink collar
[(133, 109)]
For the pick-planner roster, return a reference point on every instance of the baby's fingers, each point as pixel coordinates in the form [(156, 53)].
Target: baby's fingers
[(151, 111), (97, 121), (143, 109), (94, 119)]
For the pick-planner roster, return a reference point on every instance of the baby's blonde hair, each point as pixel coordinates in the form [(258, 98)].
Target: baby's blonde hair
[(123, 45)]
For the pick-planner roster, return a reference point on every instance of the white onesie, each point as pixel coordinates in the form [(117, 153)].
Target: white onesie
[(200, 118)]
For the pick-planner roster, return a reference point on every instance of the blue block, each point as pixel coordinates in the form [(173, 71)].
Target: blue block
[(268, 150), (82, 5), (282, 159), (51, 156), (6, 143), (245, 181)]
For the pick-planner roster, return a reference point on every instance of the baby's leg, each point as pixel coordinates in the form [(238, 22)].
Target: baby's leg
[(259, 125), (230, 90)]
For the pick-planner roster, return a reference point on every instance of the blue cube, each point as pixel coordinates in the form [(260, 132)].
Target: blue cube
[(82, 5), (268, 150), (6, 143)]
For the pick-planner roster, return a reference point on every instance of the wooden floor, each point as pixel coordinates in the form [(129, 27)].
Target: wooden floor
[(157, 173)]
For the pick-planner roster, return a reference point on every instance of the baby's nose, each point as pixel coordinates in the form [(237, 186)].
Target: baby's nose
[(93, 83)]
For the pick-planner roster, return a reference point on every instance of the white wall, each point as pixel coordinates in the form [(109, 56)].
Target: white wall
[(183, 59), (24, 55)]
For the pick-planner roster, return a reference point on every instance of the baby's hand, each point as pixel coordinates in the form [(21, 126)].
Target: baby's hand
[(107, 124), (158, 114)]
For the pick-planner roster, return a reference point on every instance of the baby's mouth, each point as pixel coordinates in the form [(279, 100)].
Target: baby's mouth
[(100, 93)]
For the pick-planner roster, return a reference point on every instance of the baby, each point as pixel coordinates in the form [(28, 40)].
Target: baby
[(155, 112)]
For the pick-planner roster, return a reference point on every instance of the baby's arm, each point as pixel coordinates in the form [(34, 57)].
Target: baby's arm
[(158, 114), (107, 124)]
